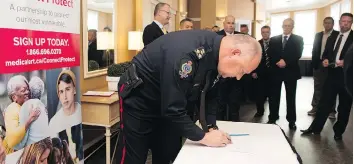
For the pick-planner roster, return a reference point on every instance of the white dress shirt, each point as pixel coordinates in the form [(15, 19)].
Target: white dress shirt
[(344, 39), (227, 34)]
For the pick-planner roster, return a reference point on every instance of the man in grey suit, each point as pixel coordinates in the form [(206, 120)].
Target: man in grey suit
[(319, 72)]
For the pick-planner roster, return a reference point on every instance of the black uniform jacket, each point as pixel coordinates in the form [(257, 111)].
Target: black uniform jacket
[(173, 69)]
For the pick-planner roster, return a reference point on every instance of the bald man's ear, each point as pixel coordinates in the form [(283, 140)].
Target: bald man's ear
[(236, 52)]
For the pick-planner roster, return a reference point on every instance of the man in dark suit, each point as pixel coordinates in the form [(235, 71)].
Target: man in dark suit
[(229, 26), (285, 51), (261, 76), (229, 89), (93, 53), (244, 29), (348, 71), (156, 28), (335, 51), (319, 72)]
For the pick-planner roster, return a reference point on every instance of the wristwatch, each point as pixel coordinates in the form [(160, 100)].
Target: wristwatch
[(211, 126)]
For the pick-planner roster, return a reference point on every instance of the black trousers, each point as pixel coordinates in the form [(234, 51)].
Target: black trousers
[(334, 85), (142, 130), (274, 99), (230, 92), (319, 79), (262, 90)]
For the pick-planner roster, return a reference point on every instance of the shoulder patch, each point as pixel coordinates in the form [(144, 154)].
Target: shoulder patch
[(186, 69), (200, 52)]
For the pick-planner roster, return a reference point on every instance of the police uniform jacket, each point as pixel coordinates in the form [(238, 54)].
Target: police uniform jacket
[(173, 69)]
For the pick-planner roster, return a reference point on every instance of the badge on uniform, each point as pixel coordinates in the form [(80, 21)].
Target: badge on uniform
[(186, 69), (200, 52)]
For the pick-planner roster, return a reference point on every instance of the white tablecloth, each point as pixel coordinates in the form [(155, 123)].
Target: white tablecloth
[(266, 144)]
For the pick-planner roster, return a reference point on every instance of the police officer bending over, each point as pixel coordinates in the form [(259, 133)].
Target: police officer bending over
[(171, 71)]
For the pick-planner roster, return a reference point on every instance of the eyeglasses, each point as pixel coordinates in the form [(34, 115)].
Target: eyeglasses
[(168, 13), (288, 26)]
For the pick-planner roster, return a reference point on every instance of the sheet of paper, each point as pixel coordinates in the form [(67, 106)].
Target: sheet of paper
[(97, 93), (265, 144)]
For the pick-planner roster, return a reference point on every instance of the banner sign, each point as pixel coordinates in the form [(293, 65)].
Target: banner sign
[(40, 120)]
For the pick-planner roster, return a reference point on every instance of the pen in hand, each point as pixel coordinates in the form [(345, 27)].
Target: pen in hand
[(235, 135)]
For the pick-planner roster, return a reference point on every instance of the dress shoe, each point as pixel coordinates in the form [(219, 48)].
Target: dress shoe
[(271, 122), (258, 114), (292, 125), (338, 137), (308, 131)]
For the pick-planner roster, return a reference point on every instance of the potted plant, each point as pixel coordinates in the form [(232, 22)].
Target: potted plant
[(114, 72), (93, 66)]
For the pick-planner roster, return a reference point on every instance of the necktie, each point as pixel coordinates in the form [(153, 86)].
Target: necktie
[(164, 30), (266, 46), (284, 41), (336, 49)]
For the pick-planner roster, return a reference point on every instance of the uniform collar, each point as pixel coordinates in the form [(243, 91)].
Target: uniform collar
[(216, 48)]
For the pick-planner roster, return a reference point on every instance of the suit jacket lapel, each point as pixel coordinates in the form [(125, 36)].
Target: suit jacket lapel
[(157, 28), (319, 42), (290, 39), (347, 43), (224, 33), (280, 41), (262, 45)]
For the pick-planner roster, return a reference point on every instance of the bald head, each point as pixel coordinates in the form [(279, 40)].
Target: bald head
[(239, 54), (229, 17), (288, 26), (229, 24)]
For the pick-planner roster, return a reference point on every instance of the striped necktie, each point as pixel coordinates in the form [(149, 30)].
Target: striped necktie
[(266, 46)]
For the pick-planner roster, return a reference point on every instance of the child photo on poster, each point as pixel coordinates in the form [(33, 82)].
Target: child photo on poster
[(68, 108)]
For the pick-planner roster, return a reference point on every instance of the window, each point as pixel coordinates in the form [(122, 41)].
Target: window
[(335, 14), (308, 32), (92, 19), (338, 9), (276, 22), (345, 6)]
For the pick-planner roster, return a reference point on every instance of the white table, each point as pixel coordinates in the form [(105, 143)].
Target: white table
[(266, 144)]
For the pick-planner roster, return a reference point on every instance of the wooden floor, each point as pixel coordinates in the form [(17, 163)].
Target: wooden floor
[(322, 149)]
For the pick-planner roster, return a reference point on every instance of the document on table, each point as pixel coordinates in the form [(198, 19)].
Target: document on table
[(95, 93), (265, 144)]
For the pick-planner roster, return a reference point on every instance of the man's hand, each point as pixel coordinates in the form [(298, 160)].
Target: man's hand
[(216, 138), (340, 63), (281, 63), (325, 63), (2, 153), (254, 75)]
